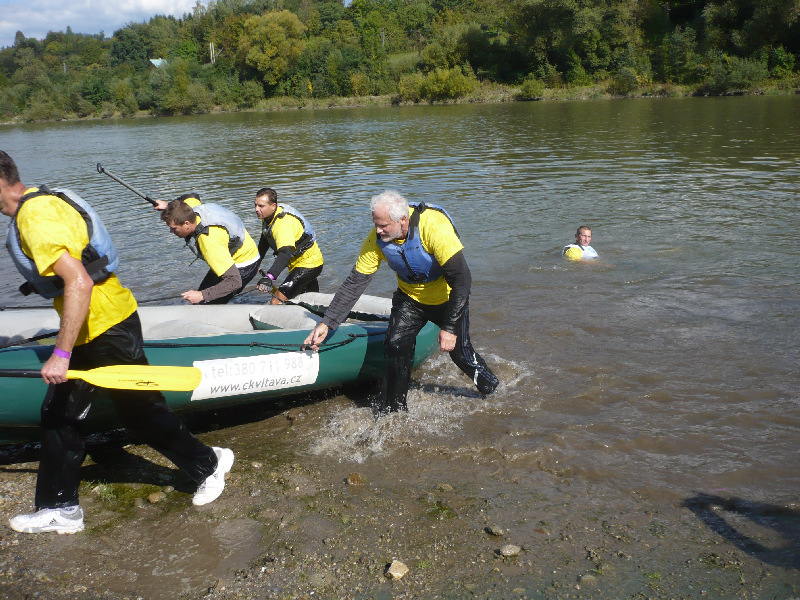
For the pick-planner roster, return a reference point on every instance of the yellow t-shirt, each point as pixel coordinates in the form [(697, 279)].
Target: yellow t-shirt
[(286, 231), (438, 238), (49, 227), (214, 246)]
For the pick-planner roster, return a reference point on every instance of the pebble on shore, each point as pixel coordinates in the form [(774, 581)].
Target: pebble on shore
[(396, 570)]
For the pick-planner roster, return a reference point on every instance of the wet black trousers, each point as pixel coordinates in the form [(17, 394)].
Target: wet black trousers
[(300, 280), (407, 319), (212, 279), (144, 413)]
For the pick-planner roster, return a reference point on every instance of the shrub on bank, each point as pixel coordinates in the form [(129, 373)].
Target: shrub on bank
[(780, 63), (42, 110), (439, 84), (252, 94), (624, 82), (532, 88), (730, 74)]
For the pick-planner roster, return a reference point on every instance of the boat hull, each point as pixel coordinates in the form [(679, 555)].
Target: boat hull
[(239, 367)]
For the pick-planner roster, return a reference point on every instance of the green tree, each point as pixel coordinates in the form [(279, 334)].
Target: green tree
[(92, 51), (677, 59), (185, 95), (743, 27), (96, 87), (163, 38), (128, 47), (781, 62), (448, 46), (271, 44), (543, 28)]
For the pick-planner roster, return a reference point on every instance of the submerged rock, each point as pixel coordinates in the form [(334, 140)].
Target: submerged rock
[(495, 530), (356, 478)]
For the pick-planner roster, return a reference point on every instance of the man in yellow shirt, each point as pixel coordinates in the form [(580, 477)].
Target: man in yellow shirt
[(421, 245), (53, 247), (220, 239), (289, 235)]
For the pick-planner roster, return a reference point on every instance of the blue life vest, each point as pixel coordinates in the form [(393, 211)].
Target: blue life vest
[(306, 240), (410, 260), (214, 215), (99, 257)]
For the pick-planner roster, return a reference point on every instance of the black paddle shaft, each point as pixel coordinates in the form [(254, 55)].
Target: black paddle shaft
[(19, 373), (100, 169)]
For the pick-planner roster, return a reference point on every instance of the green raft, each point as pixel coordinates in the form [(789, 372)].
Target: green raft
[(246, 352)]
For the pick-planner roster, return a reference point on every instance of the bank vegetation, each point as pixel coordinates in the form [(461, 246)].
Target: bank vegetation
[(232, 55)]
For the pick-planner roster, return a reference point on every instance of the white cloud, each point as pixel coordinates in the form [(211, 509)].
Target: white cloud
[(35, 18)]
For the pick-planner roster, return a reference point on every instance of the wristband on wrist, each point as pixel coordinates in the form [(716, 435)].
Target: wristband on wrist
[(271, 276), (61, 353)]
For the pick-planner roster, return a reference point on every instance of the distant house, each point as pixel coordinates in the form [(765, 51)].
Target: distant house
[(158, 62)]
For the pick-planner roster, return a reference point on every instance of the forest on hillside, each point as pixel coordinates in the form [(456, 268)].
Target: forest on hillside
[(239, 54)]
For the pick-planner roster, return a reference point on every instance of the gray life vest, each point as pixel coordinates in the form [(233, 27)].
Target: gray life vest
[(301, 245), (214, 215), (99, 257)]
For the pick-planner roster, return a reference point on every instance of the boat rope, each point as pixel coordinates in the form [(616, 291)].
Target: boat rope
[(145, 301), (351, 337), (244, 291)]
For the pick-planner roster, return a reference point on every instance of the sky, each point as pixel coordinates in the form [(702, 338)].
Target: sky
[(35, 18)]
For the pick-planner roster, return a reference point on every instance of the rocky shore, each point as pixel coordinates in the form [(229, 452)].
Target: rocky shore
[(409, 523)]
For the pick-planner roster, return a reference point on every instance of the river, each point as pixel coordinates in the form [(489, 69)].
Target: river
[(667, 367)]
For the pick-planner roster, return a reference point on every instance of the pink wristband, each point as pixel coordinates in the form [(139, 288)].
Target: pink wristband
[(270, 276), (61, 353)]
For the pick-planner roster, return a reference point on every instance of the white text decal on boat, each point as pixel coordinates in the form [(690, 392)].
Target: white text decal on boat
[(253, 374)]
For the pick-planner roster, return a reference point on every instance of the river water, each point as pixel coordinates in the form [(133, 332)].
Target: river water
[(669, 366)]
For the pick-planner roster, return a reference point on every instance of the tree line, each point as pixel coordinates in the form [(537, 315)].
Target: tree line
[(240, 54)]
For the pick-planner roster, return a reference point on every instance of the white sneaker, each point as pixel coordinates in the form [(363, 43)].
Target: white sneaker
[(212, 487), (48, 519)]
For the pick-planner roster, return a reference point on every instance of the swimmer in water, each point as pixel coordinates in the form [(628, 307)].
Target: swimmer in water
[(580, 250)]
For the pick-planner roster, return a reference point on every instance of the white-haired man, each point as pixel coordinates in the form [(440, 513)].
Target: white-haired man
[(421, 245)]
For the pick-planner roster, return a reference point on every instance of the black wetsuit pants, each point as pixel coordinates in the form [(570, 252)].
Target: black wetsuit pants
[(407, 319), (300, 280), (144, 413)]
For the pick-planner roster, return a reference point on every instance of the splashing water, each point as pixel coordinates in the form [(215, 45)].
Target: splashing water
[(439, 401)]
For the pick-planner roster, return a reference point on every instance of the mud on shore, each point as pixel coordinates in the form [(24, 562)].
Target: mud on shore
[(296, 525)]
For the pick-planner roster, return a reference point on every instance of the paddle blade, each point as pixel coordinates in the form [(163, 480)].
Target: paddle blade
[(142, 377)]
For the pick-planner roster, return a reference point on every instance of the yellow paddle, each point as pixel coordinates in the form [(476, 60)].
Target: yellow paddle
[(129, 377)]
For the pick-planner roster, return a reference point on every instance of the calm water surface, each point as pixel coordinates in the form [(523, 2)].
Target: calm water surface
[(667, 367)]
